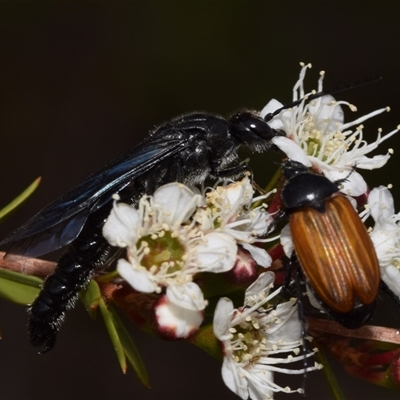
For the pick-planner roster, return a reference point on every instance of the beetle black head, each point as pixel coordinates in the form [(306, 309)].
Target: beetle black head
[(291, 168), (304, 188)]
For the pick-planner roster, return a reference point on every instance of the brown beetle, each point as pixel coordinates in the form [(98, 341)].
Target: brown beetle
[(332, 245)]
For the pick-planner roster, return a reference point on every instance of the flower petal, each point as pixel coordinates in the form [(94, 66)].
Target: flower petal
[(270, 108), (136, 278), (234, 196), (188, 296), (233, 379), (328, 111), (391, 276), (260, 255), (121, 226), (178, 201), (353, 184), (262, 284), (222, 318), (290, 327), (374, 162), (286, 241), (217, 253), (381, 203), (174, 322), (291, 149)]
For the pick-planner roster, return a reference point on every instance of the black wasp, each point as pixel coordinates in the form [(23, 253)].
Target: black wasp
[(187, 149)]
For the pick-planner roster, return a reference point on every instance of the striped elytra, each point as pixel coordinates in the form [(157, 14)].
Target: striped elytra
[(336, 254)]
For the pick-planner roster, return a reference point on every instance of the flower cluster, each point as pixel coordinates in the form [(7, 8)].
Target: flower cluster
[(176, 236), (386, 236), (318, 137), (255, 338)]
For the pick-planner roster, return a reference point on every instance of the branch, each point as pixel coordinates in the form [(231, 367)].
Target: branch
[(27, 265), (367, 332)]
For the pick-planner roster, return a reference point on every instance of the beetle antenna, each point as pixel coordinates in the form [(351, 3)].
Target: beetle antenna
[(307, 98), (339, 182)]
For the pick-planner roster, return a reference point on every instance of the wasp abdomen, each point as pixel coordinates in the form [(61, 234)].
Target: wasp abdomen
[(60, 291)]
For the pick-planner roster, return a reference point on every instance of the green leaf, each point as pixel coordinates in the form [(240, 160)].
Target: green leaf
[(205, 339), (123, 344), (19, 199), (91, 298), (218, 285), (131, 351), (112, 331), (19, 288), (330, 376)]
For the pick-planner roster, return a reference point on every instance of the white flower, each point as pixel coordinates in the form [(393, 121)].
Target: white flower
[(317, 136), (386, 236), (165, 249), (287, 241), (229, 211), (256, 340), (173, 321)]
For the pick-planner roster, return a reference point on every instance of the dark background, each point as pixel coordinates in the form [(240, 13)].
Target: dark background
[(81, 82)]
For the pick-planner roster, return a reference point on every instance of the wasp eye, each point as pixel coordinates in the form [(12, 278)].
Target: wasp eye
[(247, 122)]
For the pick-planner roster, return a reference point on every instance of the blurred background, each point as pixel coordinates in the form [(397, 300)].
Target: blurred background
[(82, 82)]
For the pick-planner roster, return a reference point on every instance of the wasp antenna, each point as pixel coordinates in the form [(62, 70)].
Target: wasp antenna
[(306, 99)]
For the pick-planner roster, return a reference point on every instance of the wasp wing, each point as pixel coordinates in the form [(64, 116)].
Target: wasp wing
[(60, 222)]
